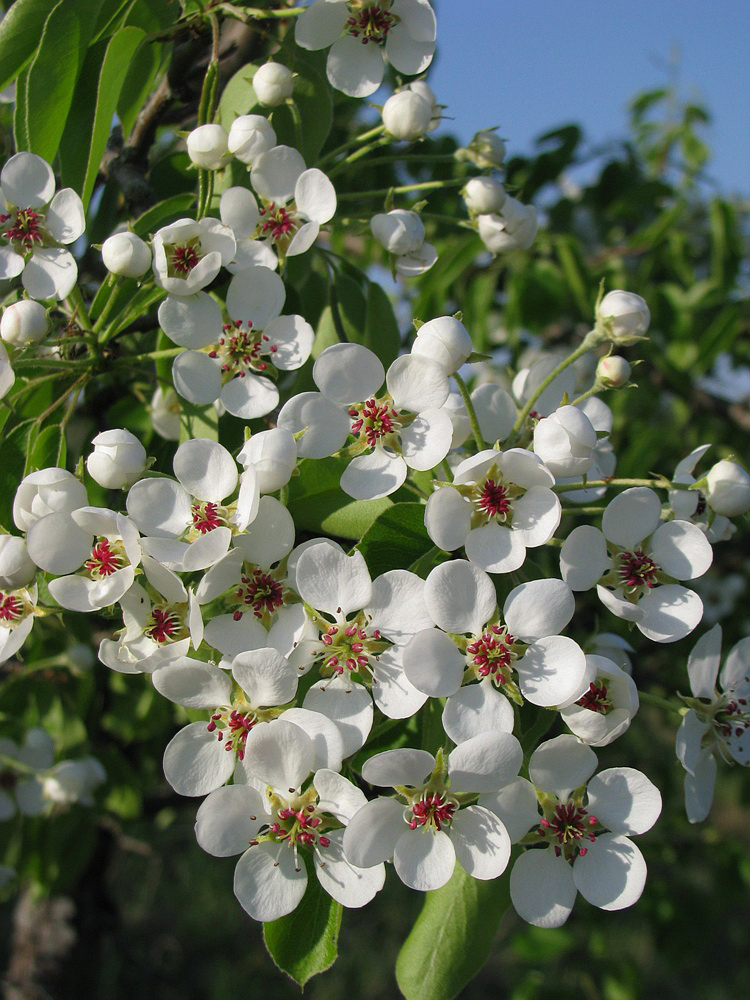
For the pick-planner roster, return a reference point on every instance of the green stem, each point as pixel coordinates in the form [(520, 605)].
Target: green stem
[(284, 496), (587, 345), (246, 14), (583, 510), (351, 144), (662, 484), (475, 429), (170, 352), (596, 387), (78, 308), (405, 189), (109, 305), (417, 158), (357, 155), (414, 489), (659, 702), (297, 119)]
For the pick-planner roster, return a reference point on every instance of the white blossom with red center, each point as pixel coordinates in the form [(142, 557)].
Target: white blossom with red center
[(189, 254), (17, 612), (481, 663), (161, 623), (236, 363), (691, 504), (273, 828), (188, 524), (405, 427), (717, 723), (583, 828), (633, 562), (36, 226), (605, 710), (499, 504), (363, 34), (430, 824)]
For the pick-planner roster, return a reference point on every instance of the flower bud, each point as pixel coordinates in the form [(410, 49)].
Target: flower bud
[(427, 94), (486, 150), (626, 315), (484, 195), (445, 341), (16, 568), (207, 146), (249, 136), (273, 84), (406, 115), (727, 489), (126, 255), (613, 372), (24, 322), (514, 228), (399, 231), (45, 492), (565, 442), (118, 459), (273, 453)]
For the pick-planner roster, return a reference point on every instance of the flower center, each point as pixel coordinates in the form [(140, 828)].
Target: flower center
[(635, 570), (565, 826), (24, 227), (350, 646), (206, 517), (490, 655), (370, 22), (431, 811), (12, 609), (164, 625), (240, 350), (232, 727), (595, 699), (261, 592), (733, 719), (298, 827), (105, 559), (183, 258), (375, 420), (494, 500), (279, 223)]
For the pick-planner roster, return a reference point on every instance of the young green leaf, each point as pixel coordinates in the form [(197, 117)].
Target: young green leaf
[(305, 943)]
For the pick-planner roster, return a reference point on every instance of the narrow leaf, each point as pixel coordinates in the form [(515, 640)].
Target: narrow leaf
[(305, 943), (19, 37), (48, 450)]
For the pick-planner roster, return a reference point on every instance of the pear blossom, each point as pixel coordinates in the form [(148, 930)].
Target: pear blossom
[(207, 146), (422, 88), (496, 412), (565, 441), (691, 504), (625, 316), (404, 428), (362, 34), (18, 608), (16, 568), (36, 226), (513, 227), (499, 504), (249, 136), (613, 372), (22, 787), (273, 84), (188, 254), (24, 322), (717, 723), (583, 832), (407, 115), (402, 234), (45, 492), (118, 459), (430, 826), (728, 489), (73, 782), (484, 196), (606, 709), (446, 340), (633, 562), (235, 362), (486, 150), (126, 255), (187, 524), (270, 878), (165, 413), (517, 657)]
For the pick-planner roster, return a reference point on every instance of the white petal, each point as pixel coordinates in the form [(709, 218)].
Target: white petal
[(736, 668), (688, 740), (611, 874), (699, 789), (392, 690), (228, 819), (517, 806), (27, 181), (554, 671), (481, 842), (326, 424), (355, 69), (267, 882), (669, 613), (328, 743), (475, 709), (348, 373), (539, 608), (447, 518), (265, 676), (274, 174), (681, 549), (703, 664), (433, 664), (373, 831), (315, 196), (231, 637), (329, 580), (348, 885), (583, 557), (206, 470), (537, 515), (460, 597), (195, 763), (66, 220), (495, 410), (542, 888), (417, 383), (293, 338), (406, 54), (399, 767), (424, 861), (319, 25), (280, 754), (197, 378), (427, 440), (397, 605), (484, 763), (255, 296), (561, 765), (193, 684), (303, 239), (239, 210), (270, 537), (624, 800), (373, 476), (495, 548), (337, 796), (50, 274), (191, 320), (57, 545), (159, 507), (631, 517), (249, 397), (351, 710), (11, 264)]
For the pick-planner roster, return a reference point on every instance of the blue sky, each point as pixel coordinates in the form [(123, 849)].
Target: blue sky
[(529, 65)]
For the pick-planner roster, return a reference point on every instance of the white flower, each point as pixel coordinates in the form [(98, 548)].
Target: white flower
[(270, 877), (207, 146), (691, 504), (427, 94), (444, 340), (45, 492), (188, 254), (584, 832), (717, 723), (16, 568), (500, 504), (165, 413), (518, 657), (484, 195), (633, 561), (249, 136), (362, 32), (234, 362), (37, 221), (402, 234), (565, 441), (273, 455), (613, 372), (625, 316), (17, 612), (605, 711), (24, 322), (429, 826), (73, 781), (273, 84), (513, 227), (404, 428), (486, 150), (188, 524), (407, 115), (126, 254), (118, 459), (728, 489)]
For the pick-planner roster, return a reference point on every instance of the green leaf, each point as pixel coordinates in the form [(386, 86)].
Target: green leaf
[(396, 539), (198, 422), (14, 445), (20, 113), (312, 95), (48, 451), (238, 97), (318, 504), (76, 139), (305, 943), (162, 213), (381, 329), (452, 937), (19, 37)]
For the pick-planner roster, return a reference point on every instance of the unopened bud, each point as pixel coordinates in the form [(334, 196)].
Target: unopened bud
[(727, 489), (486, 150), (427, 94), (118, 459), (484, 195), (406, 115), (24, 322), (399, 231), (625, 315), (613, 372), (273, 84), (126, 255), (249, 136), (207, 146), (16, 568)]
